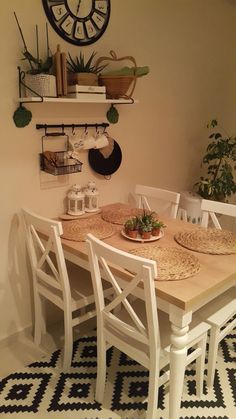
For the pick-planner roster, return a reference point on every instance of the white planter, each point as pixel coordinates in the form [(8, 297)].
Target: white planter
[(42, 84), (191, 203)]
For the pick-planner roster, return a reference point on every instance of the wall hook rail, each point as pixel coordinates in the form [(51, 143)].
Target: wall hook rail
[(72, 126)]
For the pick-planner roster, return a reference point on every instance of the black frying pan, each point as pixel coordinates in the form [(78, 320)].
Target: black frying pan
[(103, 166)]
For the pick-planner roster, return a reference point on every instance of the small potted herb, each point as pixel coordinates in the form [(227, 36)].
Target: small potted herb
[(156, 227), (83, 72), (131, 227), (145, 230)]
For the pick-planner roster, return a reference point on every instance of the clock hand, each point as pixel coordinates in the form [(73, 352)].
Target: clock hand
[(78, 7)]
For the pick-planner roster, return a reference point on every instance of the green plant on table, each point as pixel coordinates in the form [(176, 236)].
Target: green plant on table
[(220, 157), (145, 227), (146, 218), (131, 224), (80, 65), (158, 224)]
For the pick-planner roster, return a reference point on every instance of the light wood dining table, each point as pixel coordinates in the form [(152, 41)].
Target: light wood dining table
[(179, 298)]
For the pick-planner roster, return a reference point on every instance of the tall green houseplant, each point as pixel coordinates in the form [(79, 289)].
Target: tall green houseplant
[(219, 184)]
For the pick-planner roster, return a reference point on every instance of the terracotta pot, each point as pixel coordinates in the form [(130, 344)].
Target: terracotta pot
[(146, 235), (156, 231), (83, 79), (132, 233)]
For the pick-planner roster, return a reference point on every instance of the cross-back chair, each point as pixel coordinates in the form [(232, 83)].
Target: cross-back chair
[(210, 209), (220, 314), (71, 293), (169, 198), (136, 329)]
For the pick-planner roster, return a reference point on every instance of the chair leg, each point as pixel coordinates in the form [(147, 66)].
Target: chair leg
[(200, 364), (68, 343), (213, 349), (153, 389), (38, 318), (101, 366)]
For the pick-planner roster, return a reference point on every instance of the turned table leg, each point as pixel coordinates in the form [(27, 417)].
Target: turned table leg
[(178, 354)]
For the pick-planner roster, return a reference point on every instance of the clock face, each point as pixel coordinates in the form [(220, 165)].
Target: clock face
[(80, 22)]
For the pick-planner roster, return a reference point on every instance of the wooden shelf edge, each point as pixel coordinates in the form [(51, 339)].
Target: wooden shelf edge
[(71, 100)]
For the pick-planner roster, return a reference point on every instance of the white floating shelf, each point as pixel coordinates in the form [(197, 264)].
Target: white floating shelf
[(72, 100)]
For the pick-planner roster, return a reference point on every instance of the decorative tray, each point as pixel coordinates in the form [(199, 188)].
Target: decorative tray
[(67, 217), (139, 238)]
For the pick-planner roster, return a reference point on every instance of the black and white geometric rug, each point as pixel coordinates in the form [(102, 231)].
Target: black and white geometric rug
[(42, 390)]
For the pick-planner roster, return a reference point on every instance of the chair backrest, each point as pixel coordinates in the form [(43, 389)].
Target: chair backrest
[(170, 198), (211, 208), (50, 273), (102, 257)]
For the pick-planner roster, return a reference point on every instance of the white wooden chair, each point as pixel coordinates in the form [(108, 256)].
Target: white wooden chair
[(211, 208), (51, 280), (171, 199), (137, 329), (221, 312)]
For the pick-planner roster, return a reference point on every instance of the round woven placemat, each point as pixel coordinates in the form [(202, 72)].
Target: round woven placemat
[(119, 213), (208, 240), (172, 263), (78, 229)]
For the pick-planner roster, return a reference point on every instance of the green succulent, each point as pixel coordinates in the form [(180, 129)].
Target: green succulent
[(158, 224), (131, 224), (145, 227), (79, 65), (146, 218)]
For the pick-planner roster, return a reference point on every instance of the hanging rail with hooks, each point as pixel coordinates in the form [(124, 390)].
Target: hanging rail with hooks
[(72, 126)]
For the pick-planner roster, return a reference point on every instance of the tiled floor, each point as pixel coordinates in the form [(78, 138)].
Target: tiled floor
[(61, 395)]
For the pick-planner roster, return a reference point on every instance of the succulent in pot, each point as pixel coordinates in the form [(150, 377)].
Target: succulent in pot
[(131, 227), (83, 72), (145, 230), (156, 227)]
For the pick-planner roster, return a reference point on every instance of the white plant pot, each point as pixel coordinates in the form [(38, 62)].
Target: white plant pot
[(41, 84)]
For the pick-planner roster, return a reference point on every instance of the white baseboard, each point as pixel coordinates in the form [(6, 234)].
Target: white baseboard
[(9, 340)]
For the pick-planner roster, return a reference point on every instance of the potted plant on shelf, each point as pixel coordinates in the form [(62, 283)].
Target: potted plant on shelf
[(220, 157), (131, 227), (156, 227), (83, 72), (38, 81)]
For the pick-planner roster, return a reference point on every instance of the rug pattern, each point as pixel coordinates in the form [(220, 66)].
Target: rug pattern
[(42, 389)]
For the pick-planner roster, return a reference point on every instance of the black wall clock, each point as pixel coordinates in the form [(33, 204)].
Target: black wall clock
[(80, 22)]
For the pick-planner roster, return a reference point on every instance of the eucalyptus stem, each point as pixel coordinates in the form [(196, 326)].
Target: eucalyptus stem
[(22, 37), (37, 43), (48, 50)]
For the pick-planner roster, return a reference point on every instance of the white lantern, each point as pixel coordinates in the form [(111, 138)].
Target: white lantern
[(91, 197), (75, 201)]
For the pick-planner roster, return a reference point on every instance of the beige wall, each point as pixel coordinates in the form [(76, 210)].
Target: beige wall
[(190, 48)]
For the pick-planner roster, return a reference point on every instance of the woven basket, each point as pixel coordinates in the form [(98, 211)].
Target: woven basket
[(40, 84), (83, 79), (117, 86)]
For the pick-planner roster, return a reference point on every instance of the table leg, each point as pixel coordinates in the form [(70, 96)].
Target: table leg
[(178, 353)]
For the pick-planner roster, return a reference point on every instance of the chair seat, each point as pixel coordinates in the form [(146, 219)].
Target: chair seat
[(197, 329), (221, 309)]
